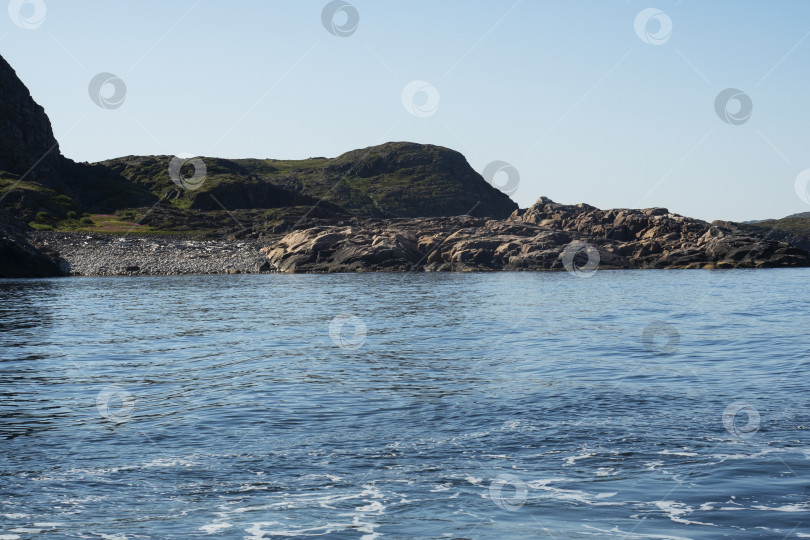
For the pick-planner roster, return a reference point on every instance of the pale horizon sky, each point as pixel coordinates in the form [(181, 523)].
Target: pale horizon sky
[(586, 101)]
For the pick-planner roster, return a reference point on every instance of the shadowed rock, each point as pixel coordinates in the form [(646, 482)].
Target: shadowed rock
[(26, 137), (18, 258)]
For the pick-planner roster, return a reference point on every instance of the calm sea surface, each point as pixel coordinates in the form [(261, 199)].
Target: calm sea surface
[(632, 404)]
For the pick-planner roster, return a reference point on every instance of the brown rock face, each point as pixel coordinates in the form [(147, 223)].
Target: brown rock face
[(537, 238)]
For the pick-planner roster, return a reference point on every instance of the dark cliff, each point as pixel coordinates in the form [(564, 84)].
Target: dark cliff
[(27, 143)]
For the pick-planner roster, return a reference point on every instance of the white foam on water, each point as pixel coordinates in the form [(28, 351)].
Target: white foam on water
[(215, 527), (258, 532), (98, 471), (571, 494), (166, 462), (371, 497), (366, 528), (262, 507), (330, 477), (373, 506), (676, 453), (104, 471), (725, 457), (802, 507), (251, 487), (87, 498), (625, 534), (9, 536), (675, 510), (542, 482), (474, 480), (16, 516), (573, 459), (372, 493)]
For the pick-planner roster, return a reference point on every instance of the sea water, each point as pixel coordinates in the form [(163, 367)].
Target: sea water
[(627, 404)]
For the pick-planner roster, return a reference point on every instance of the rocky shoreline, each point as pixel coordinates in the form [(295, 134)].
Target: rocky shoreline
[(546, 236), (111, 255)]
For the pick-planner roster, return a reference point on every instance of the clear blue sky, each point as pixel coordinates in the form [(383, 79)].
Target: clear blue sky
[(564, 90)]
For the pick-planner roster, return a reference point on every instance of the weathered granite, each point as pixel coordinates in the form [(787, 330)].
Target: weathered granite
[(546, 236)]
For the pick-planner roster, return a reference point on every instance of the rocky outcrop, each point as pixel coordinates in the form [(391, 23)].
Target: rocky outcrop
[(657, 238), (430, 244), (27, 142), (19, 258), (546, 236), (35, 177)]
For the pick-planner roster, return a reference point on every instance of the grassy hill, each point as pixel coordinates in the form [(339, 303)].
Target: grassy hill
[(390, 180), (798, 224), (129, 194)]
